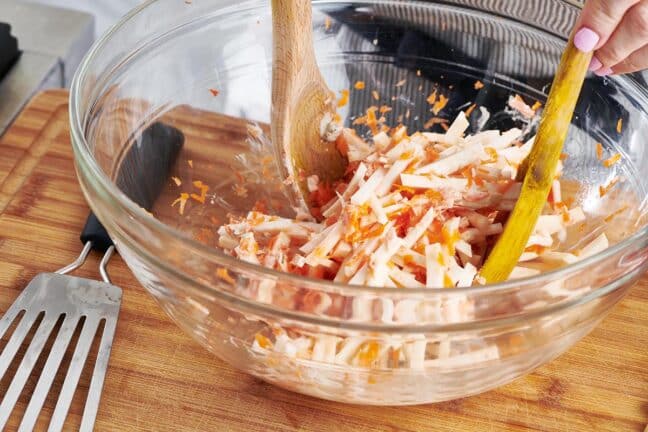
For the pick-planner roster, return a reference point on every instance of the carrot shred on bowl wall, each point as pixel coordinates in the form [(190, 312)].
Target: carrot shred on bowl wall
[(608, 163), (344, 98)]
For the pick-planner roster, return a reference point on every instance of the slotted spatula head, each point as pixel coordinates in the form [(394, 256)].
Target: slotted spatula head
[(70, 299)]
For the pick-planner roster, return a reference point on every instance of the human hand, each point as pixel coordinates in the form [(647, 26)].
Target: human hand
[(617, 32)]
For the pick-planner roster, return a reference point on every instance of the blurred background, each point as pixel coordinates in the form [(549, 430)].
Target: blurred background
[(42, 43), (105, 12)]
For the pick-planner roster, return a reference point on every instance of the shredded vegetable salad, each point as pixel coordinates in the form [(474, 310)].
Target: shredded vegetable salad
[(413, 211), (417, 210)]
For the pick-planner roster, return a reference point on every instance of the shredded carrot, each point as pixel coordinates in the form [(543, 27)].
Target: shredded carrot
[(536, 106), (470, 110), (342, 145), (368, 353), (177, 181), (182, 200), (564, 156), (408, 113), (214, 92), (372, 122), (431, 154), (263, 341), (374, 230), (608, 163), (375, 95), (603, 190), (520, 105), (434, 121), (447, 281), (384, 109), (360, 121), (408, 260), (440, 259), (616, 213), (440, 104), (479, 85), (394, 356), (492, 153), (401, 83), (190, 162), (564, 210), (599, 151), (327, 23), (468, 174), (203, 192), (223, 274), (432, 98), (445, 127), (536, 249), (359, 85), (344, 98), (619, 127), (449, 239)]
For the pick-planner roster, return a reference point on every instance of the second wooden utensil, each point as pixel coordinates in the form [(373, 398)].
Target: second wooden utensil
[(540, 167)]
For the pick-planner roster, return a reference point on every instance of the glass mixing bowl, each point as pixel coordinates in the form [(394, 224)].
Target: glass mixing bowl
[(204, 68)]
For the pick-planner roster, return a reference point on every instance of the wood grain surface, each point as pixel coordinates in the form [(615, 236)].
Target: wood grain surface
[(160, 380)]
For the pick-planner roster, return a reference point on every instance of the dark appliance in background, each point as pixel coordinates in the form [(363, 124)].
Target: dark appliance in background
[(9, 52)]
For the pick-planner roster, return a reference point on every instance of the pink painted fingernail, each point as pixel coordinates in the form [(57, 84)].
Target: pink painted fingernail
[(595, 64), (604, 72), (586, 39)]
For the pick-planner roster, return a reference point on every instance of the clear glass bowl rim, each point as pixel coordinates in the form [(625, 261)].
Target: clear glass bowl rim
[(122, 203)]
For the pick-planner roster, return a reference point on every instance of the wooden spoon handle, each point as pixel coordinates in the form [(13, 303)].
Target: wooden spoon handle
[(541, 165), (292, 34)]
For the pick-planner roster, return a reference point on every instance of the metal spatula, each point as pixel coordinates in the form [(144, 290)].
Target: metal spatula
[(142, 174), (72, 299)]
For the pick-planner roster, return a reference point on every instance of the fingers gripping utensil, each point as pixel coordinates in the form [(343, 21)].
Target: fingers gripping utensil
[(80, 302)]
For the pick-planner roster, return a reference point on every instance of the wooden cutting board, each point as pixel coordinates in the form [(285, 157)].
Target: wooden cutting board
[(160, 380)]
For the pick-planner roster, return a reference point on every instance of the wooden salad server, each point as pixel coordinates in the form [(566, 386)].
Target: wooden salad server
[(539, 169)]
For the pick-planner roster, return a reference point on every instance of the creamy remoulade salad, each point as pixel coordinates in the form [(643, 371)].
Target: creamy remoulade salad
[(413, 211)]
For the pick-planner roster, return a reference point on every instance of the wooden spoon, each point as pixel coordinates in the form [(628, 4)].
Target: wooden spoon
[(300, 101), (540, 167)]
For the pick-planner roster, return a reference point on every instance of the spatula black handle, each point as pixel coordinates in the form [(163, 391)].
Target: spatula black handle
[(142, 175), (94, 232)]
